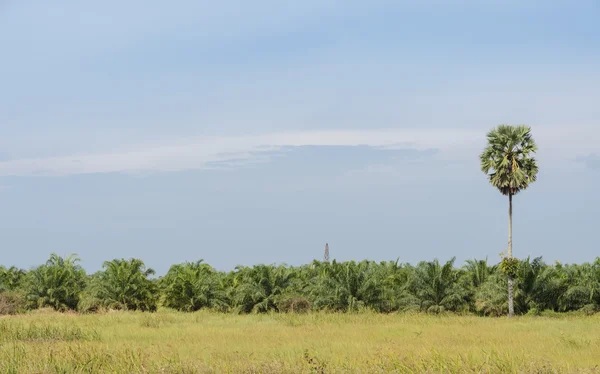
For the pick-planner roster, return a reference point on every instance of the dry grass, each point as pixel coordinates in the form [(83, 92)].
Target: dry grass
[(168, 342)]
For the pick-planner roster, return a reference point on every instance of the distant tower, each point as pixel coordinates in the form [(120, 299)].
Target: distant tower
[(326, 255)]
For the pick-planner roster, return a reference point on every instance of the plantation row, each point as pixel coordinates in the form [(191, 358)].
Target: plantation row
[(431, 287)]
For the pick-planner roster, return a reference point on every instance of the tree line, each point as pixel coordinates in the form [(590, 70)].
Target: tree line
[(389, 286), (513, 286)]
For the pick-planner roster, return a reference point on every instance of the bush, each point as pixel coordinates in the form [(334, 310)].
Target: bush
[(89, 303), (549, 313), (11, 303), (294, 305), (589, 310), (534, 312)]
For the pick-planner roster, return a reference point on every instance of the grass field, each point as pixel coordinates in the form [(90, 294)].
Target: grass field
[(169, 342)]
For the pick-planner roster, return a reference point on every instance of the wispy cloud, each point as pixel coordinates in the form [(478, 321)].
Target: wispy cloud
[(215, 151), (205, 152)]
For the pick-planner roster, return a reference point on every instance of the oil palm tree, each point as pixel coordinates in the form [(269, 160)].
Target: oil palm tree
[(11, 278), (348, 286), (56, 284), (192, 286), (510, 166), (258, 289), (125, 284), (438, 287), (478, 271)]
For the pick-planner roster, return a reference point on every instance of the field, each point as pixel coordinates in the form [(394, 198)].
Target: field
[(204, 342)]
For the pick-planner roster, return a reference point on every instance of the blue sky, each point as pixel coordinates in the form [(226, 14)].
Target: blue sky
[(254, 132)]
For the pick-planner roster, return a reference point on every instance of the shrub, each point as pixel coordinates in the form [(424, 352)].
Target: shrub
[(589, 310), (549, 313), (294, 305), (534, 312), (11, 303)]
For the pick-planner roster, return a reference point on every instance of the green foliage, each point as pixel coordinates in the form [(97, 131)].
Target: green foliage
[(389, 286), (491, 298), (259, 289), (532, 287), (11, 279), (12, 299), (439, 288), (478, 272), (56, 284), (123, 285), (347, 286), (589, 309), (508, 159), (190, 287)]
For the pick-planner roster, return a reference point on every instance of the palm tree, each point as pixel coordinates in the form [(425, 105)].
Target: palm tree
[(349, 286), (584, 285), (490, 299), (259, 289), (11, 278), (125, 284), (56, 284), (478, 271), (508, 162), (192, 286), (438, 287), (397, 279)]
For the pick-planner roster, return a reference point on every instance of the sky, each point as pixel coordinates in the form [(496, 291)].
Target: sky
[(254, 132)]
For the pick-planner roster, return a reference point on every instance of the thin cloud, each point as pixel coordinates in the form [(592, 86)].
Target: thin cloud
[(557, 145), (206, 152)]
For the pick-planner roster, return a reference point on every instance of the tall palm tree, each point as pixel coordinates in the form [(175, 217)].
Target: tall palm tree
[(508, 162)]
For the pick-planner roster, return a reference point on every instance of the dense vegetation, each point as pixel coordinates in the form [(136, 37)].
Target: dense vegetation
[(429, 287)]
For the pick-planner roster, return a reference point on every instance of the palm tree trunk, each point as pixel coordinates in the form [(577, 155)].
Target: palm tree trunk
[(511, 305)]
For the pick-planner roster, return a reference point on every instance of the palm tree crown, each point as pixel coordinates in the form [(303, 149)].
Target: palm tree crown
[(508, 160)]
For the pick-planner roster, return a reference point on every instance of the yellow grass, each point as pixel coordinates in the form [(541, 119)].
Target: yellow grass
[(169, 342)]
